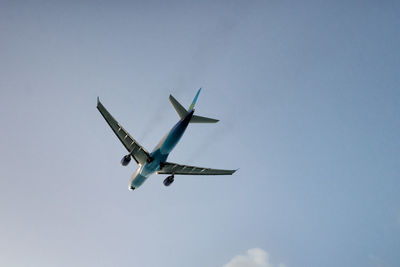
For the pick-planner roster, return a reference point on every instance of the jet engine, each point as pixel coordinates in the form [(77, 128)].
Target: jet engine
[(125, 160), (169, 180)]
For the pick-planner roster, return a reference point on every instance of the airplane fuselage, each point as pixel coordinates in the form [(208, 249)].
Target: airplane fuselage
[(160, 153)]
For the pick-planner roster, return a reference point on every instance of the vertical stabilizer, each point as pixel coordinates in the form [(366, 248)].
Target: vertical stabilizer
[(194, 100)]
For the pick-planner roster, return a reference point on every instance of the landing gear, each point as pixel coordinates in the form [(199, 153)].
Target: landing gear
[(169, 180)]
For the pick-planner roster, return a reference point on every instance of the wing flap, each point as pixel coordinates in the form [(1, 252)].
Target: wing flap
[(174, 168), (134, 148)]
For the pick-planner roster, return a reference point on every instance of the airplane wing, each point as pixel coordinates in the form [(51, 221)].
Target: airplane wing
[(139, 154), (173, 168)]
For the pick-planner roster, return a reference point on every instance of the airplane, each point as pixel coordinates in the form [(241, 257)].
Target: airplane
[(156, 161)]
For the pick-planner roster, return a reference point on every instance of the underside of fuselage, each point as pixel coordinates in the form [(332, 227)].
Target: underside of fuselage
[(160, 152)]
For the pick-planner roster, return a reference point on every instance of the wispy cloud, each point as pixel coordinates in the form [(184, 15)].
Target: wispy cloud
[(255, 257)]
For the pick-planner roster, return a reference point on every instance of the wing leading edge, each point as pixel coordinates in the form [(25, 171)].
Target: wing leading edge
[(174, 168), (134, 148)]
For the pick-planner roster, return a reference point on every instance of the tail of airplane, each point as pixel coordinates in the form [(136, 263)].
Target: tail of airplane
[(194, 100), (182, 112)]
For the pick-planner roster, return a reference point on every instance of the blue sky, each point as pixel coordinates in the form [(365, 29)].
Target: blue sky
[(308, 100)]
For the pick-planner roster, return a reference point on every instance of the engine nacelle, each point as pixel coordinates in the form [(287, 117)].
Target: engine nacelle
[(169, 180), (125, 160)]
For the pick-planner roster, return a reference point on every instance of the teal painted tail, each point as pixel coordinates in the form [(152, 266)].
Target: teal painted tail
[(182, 112), (194, 101)]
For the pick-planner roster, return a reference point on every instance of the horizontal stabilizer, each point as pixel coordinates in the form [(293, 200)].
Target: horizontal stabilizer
[(182, 112), (200, 119)]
